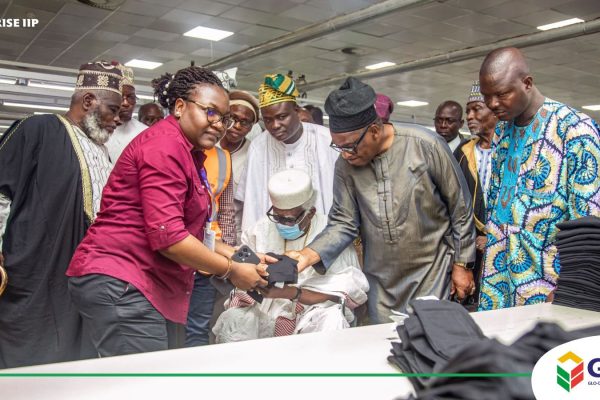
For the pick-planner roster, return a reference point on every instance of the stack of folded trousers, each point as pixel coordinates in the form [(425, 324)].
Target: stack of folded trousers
[(578, 244), (471, 354), (432, 335)]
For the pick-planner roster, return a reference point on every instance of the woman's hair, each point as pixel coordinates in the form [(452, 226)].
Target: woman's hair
[(168, 88)]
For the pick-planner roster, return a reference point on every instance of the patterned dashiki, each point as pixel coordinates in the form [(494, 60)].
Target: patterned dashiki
[(556, 180), (99, 165)]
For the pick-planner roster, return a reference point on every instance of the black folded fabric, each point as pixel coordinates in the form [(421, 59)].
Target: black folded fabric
[(285, 270), (447, 325), (578, 245), (490, 356), (584, 222), (568, 237), (432, 334), (484, 356), (418, 340)]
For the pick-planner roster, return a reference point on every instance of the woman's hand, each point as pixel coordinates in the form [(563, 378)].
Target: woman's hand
[(247, 276)]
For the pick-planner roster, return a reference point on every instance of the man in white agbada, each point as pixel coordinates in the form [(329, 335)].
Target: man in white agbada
[(290, 144), (317, 302), (130, 127)]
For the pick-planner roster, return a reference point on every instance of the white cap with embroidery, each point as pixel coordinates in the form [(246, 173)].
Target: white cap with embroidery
[(290, 188)]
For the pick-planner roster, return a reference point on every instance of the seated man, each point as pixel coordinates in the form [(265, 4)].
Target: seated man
[(314, 303)]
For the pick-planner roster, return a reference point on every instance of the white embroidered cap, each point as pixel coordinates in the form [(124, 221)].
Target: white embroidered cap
[(290, 188)]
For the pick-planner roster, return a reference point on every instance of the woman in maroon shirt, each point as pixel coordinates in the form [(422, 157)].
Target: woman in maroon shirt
[(134, 269)]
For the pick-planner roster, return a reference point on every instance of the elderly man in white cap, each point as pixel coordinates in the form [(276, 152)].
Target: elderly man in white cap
[(317, 302)]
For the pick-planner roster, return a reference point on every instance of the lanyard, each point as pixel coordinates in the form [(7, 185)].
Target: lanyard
[(204, 179)]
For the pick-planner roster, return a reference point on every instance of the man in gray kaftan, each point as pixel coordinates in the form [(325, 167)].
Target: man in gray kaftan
[(403, 193)]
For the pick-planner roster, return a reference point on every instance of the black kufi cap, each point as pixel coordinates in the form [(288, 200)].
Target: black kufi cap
[(351, 107)]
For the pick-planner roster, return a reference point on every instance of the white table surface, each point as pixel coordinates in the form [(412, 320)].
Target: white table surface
[(355, 350)]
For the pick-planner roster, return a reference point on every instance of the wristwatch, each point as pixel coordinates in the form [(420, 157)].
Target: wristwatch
[(464, 265), (298, 294)]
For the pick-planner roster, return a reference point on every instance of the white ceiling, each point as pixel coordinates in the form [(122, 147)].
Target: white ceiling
[(70, 33)]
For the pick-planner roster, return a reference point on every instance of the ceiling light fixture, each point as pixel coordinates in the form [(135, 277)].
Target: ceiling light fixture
[(50, 86), (412, 103), (144, 97), (7, 81), (593, 107), (202, 32), (36, 106), (135, 63), (380, 65), (560, 24)]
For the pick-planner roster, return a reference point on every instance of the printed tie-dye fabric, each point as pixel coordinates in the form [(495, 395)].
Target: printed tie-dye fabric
[(558, 180)]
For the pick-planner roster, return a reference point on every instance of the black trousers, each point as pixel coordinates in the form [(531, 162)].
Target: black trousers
[(118, 316)]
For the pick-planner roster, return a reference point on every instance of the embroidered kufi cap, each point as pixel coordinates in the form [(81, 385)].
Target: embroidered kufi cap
[(277, 88), (100, 75), (290, 188), (475, 94)]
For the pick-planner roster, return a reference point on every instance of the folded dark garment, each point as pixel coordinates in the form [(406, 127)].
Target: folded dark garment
[(452, 328), (413, 361), (399, 360), (489, 356), (579, 247), (576, 232), (418, 340), (583, 222), (483, 356), (567, 238), (447, 325), (285, 270), (575, 258)]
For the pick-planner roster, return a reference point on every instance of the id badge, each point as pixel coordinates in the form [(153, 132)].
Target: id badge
[(209, 237)]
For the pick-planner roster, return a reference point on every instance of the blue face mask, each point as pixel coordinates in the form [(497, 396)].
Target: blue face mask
[(289, 232)]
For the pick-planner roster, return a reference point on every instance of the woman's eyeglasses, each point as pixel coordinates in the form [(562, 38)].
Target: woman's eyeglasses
[(214, 117)]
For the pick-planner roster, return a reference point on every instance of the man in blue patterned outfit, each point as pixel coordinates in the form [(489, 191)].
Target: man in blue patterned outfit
[(544, 171)]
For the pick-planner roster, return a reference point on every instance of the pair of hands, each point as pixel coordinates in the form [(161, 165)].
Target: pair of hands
[(248, 276)]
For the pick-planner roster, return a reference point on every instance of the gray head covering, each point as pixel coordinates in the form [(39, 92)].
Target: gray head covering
[(351, 107)]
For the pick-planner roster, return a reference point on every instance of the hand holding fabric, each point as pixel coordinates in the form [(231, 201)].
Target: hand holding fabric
[(305, 257), (246, 276), (266, 259)]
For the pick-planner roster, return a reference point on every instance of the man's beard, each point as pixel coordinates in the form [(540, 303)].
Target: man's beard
[(91, 127)]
